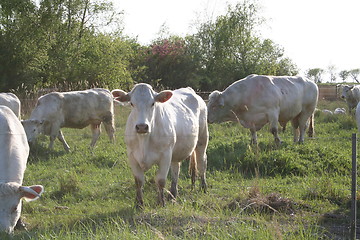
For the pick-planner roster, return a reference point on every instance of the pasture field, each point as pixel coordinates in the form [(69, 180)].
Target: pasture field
[(294, 191)]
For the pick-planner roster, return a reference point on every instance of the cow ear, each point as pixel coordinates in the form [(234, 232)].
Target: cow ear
[(31, 193), (163, 96), (120, 95)]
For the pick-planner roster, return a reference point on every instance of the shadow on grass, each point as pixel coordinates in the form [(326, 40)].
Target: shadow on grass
[(40, 152)]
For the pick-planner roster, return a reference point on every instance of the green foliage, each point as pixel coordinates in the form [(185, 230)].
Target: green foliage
[(231, 48), (315, 74), (60, 42), (80, 44), (168, 64)]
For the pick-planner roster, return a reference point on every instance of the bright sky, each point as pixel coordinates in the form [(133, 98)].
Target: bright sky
[(314, 33)]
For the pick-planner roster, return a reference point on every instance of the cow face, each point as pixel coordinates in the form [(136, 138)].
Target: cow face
[(10, 203), (32, 128), (346, 91), (143, 100), (217, 111)]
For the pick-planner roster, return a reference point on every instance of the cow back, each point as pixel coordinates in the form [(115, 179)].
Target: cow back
[(14, 147)]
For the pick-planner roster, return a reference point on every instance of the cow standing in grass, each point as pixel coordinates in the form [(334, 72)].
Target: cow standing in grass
[(12, 101), (14, 151), (76, 109), (257, 100), (351, 94), (163, 129)]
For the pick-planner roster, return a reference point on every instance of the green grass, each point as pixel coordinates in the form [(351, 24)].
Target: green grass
[(295, 191)]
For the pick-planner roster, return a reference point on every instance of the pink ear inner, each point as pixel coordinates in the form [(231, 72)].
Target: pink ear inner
[(164, 96)]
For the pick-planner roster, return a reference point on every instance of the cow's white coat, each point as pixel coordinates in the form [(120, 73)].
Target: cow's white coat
[(75, 109), (163, 129), (351, 94), (257, 100), (12, 101), (14, 151)]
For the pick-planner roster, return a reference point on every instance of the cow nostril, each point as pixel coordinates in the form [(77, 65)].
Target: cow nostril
[(142, 128)]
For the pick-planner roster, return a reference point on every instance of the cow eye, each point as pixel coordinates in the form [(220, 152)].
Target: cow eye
[(153, 104), (131, 104)]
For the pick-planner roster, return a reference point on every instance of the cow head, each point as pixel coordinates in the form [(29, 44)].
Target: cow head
[(143, 100), (346, 91), (10, 203), (33, 128), (217, 110)]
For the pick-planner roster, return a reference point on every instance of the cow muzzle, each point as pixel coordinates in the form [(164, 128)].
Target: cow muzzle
[(142, 128)]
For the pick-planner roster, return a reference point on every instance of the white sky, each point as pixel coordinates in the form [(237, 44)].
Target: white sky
[(314, 33)]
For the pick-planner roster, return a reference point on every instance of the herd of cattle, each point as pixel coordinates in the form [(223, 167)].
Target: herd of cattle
[(162, 129)]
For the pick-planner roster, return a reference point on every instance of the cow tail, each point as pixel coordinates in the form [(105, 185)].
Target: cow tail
[(311, 131), (193, 168)]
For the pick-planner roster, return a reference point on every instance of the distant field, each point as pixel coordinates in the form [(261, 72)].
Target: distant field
[(265, 192)]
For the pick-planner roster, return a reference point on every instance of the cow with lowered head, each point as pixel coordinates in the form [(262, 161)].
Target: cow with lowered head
[(75, 109), (163, 129), (257, 100), (14, 151)]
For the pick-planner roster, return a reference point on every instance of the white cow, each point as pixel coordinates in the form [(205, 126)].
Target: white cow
[(351, 94), (357, 116), (327, 112), (76, 109), (340, 111), (164, 129), (14, 151), (257, 100), (12, 101)]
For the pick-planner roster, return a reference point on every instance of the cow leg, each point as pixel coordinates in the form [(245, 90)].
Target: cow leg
[(110, 130), (175, 170), (273, 120), (95, 129), (253, 136), (201, 158), (192, 168), (139, 181), (62, 140), (52, 140), (295, 125), (303, 122), (164, 166)]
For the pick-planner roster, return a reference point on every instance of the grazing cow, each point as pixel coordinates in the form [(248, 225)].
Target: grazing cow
[(76, 109), (326, 111), (257, 100), (351, 94), (14, 151), (340, 111), (12, 101), (164, 129)]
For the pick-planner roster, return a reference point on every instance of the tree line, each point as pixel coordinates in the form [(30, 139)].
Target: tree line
[(317, 74), (78, 44)]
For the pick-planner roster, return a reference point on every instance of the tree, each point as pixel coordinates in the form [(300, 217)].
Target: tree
[(61, 42), (354, 73), (168, 64), (331, 69), (344, 74), (315, 74), (231, 48)]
